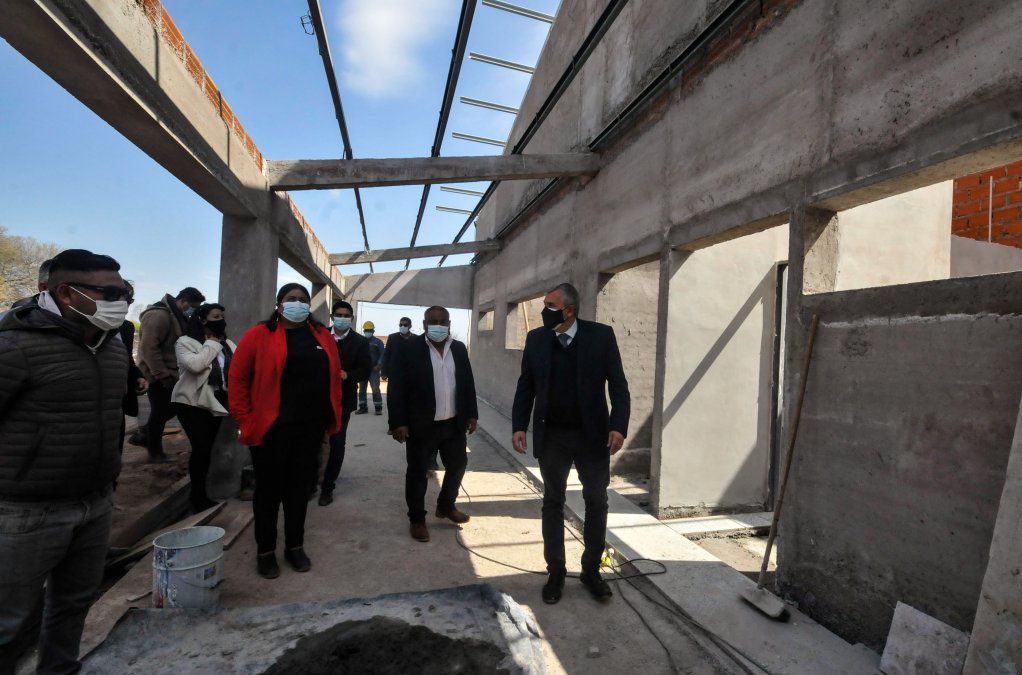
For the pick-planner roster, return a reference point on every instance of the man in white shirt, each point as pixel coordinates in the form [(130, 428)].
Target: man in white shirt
[(431, 400)]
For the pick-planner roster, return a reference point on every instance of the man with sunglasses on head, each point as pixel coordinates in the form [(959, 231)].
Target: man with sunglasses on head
[(162, 324), (63, 372)]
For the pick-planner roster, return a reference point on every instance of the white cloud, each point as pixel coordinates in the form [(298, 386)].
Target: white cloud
[(382, 41)]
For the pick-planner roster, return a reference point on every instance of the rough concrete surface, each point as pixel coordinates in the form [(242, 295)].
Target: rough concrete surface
[(918, 643), (360, 548), (474, 626)]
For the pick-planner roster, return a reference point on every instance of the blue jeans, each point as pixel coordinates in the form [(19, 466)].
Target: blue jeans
[(59, 545), (363, 391)]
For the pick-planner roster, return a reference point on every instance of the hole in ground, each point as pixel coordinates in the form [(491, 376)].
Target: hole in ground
[(387, 646)]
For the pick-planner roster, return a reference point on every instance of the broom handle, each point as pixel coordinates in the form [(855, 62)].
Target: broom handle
[(791, 450)]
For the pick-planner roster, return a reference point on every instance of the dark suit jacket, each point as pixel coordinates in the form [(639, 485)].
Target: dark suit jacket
[(599, 371), (354, 353), (394, 341), (130, 401), (411, 398)]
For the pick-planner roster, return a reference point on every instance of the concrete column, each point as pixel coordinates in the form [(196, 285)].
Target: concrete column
[(321, 301), (996, 644), (668, 261), (249, 250)]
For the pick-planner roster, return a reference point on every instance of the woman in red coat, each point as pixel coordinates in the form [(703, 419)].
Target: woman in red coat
[(285, 394)]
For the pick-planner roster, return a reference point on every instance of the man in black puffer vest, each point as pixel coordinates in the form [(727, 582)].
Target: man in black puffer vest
[(63, 372)]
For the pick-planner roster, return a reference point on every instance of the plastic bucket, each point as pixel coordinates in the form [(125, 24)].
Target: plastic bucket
[(188, 568)]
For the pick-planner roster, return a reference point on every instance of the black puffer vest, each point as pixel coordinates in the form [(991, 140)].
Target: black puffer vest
[(60, 408)]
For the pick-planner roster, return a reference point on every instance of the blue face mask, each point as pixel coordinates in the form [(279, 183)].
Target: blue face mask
[(296, 312), (438, 333), (404, 330), (342, 323), (369, 333)]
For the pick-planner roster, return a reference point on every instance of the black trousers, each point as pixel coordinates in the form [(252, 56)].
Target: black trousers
[(561, 448), (160, 412), (446, 437), (336, 459), (201, 427), (285, 466)]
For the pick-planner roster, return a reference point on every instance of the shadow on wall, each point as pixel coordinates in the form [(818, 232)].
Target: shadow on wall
[(741, 471)]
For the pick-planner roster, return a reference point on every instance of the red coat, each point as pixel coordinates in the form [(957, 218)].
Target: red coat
[(254, 380)]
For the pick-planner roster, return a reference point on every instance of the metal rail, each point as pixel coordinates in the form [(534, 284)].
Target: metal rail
[(335, 95)]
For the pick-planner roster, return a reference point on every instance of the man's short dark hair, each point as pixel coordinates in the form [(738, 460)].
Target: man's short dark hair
[(404, 318), (65, 264), (190, 295), (569, 293), (44, 269), (435, 308), (341, 304)]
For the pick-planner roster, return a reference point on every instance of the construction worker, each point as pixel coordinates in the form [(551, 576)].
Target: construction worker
[(376, 348)]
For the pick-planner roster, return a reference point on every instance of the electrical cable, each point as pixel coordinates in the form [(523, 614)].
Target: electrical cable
[(734, 653)]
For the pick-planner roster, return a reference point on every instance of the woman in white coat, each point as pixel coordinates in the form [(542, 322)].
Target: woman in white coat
[(200, 395)]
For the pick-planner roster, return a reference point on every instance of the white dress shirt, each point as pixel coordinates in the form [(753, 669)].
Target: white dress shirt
[(443, 380), (570, 332), (339, 336)]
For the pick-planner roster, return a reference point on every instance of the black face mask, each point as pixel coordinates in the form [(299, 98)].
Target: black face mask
[(217, 327), (552, 318)]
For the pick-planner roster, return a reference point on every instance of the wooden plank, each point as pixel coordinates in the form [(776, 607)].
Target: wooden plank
[(169, 509), (146, 544)]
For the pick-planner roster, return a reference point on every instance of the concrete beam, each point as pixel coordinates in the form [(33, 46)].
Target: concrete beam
[(449, 287), (299, 246), (430, 251), (110, 57), (325, 174)]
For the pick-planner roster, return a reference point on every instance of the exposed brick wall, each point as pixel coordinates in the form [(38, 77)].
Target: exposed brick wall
[(971, 215), (172, 37)]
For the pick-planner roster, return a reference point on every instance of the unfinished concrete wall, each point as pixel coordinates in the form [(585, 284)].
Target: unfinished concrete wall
[(909, 415), (449, 287), (627, 301), (971, 258), (718, 404)]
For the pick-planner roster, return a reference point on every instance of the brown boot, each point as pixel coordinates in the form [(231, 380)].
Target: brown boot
[(419, 531), (454, 515)]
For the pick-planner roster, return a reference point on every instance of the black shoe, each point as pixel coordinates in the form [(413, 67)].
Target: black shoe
[(139, 438), (379, 412), (298, 559), (159, 458), (202, 503), (266, 565), (553, 587), (598, 588), (362, 411), (312, 492), (325, 498)]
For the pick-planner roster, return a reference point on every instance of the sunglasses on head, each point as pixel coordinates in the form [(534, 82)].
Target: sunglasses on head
[(108, 293)]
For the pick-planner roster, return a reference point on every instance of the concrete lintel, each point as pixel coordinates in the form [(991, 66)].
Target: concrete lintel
[(324, 174), (428, 251), (625, 257), (108, 57)]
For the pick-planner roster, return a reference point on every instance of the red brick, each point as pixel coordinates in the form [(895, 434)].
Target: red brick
[(226, 114), (193, 64), (967, 182), (1013, 198), (1007, 215), (964, 209), (1007, 185), (971, 194), (153, 10), (171, 35), (1014, 169)]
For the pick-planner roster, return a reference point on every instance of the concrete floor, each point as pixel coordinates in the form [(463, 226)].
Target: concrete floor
[(360, 548)]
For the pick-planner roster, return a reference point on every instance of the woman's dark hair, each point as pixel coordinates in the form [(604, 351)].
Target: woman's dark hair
[(271, 322), (195, 328)]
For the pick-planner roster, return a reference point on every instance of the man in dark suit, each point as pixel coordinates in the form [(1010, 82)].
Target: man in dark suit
[(431, 398), (394, 342), (568, 367), (355, 365), (137, 384)]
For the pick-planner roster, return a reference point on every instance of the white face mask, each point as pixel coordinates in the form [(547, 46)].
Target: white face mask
[(109, 314)]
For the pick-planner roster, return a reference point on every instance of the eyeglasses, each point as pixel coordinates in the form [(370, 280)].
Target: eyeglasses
[(108, 293)]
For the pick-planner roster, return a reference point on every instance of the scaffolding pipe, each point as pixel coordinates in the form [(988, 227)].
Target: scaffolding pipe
[(451, 209), (461, 191), (478, 139)]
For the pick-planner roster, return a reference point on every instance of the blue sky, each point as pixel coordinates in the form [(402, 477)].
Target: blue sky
[(74, 181)]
